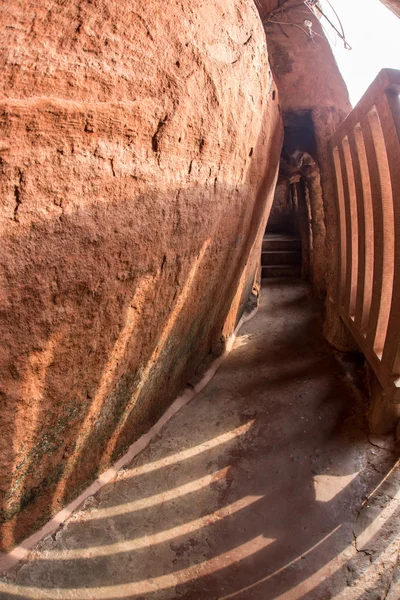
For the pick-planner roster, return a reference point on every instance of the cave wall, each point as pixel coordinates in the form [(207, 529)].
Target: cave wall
[(139, 153)]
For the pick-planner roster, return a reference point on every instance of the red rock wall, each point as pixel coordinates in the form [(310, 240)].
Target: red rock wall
[(139, 151)]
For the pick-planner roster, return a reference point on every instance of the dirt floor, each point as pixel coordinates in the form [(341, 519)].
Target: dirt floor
[(265, 486)]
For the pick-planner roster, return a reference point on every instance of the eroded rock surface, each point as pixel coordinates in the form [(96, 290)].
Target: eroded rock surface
[(140, 145)]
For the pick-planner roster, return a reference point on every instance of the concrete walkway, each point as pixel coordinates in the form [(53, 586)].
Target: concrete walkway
[(256, 490)]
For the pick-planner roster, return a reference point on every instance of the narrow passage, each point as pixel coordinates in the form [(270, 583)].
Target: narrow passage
[(253, 491)]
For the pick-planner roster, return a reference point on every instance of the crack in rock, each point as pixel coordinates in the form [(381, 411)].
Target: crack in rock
[(17, 195)]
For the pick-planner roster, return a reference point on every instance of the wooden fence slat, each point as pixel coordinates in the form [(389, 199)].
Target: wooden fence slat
[(389, 113), (382, 204), (365, 229), (351, 228), (342, 225)]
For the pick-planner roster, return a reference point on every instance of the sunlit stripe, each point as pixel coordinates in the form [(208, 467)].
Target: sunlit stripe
[(107, 380), (175, 313), (335, 565), (327, 486), (21, 552), (185, 454), (328, 570), (116, 357), (316, 579), (28, 420), (162, 582), (278, 571), (171, 494), (151, 539), (150, 501), (196, 571), (370, 531), (397, 463)]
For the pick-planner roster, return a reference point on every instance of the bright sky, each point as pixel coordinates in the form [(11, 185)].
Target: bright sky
[(373, 32)]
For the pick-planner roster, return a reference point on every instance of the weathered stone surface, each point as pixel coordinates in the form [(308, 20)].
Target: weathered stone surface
[(139, 149)]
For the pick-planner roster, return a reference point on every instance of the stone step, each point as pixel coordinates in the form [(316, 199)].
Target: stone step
[(280, 242), (281, 271), (281, 257)]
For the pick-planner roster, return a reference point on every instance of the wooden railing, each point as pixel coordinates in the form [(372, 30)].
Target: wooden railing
[(366, 157)]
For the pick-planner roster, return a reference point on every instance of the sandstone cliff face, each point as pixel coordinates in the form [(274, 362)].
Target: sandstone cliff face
[(139, 150)]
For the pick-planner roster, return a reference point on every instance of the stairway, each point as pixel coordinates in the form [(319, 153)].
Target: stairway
[(281, 256)]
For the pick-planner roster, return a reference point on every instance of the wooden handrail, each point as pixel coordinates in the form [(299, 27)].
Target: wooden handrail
[(366, 161), (386, 80)]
